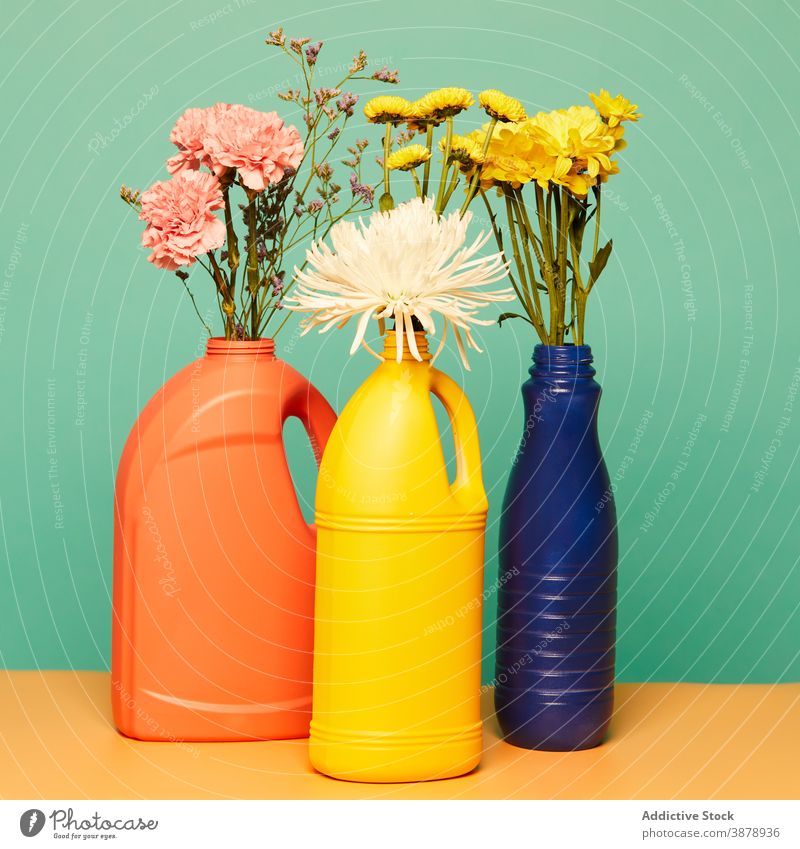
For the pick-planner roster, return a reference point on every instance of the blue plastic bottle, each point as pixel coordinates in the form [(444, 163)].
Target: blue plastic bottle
[(558, 559)]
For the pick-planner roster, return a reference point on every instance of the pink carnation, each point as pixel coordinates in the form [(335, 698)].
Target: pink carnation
[(189, 136), (256, 144), (181, 224)]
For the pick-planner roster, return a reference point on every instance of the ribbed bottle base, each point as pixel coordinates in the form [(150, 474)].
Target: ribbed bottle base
[(554, 722), (375, 757)]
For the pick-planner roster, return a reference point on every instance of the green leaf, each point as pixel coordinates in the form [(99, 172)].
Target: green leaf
[(578, 227), (507, 315), (597, 265)]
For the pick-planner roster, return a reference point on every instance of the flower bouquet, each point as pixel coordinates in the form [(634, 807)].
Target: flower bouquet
[(262, 174), (564, 155)]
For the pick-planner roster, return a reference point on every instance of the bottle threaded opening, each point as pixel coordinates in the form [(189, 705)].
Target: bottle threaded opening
[(420, 341), (218, 346), (562, 360), (562, 354)]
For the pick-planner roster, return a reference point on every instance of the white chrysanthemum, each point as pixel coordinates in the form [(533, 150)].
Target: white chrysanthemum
[(402, 263)]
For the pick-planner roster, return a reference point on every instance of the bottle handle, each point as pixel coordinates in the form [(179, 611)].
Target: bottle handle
[(468, 484), (308, 404)]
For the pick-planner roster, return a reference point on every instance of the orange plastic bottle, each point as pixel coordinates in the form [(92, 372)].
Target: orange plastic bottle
[(399, 582), (213, 561)]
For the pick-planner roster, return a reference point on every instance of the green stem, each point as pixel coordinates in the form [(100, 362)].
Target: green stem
[(252, 263), (546, 235), (597, 196), (499, 239), (572, 306), (579, 293), (448, 143), (523, 295), (517, 202), (497, 235), (417, 186), (426, 173), (531, 232), (387, 149), (228, 304), (194, 304), (576, 286), (233, 243), (580, 318), (563, 227), (217, 289), (515, 244), (452, 187), (476, 177), (280, 326), (547, 246)]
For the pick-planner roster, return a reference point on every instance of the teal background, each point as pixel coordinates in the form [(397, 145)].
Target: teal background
[(704, 223)]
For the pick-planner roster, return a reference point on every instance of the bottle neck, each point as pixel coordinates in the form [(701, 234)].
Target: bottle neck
[(562, 362), (390, 347), (249, 349)]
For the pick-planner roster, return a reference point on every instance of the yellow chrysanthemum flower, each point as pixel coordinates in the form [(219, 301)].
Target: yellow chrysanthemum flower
[(614, 109), (580, 143), (411, 156), (464, 150), (513, 157), (435, 106), (387, 108), (501, 107)]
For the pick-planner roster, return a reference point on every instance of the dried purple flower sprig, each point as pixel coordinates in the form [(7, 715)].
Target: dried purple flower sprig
[(384, 75), (286, 216), (312, 51)]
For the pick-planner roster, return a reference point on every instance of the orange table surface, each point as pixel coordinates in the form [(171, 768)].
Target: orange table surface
[(667, 741)]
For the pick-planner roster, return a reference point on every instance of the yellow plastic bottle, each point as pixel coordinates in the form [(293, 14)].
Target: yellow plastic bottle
[(400, 549)]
